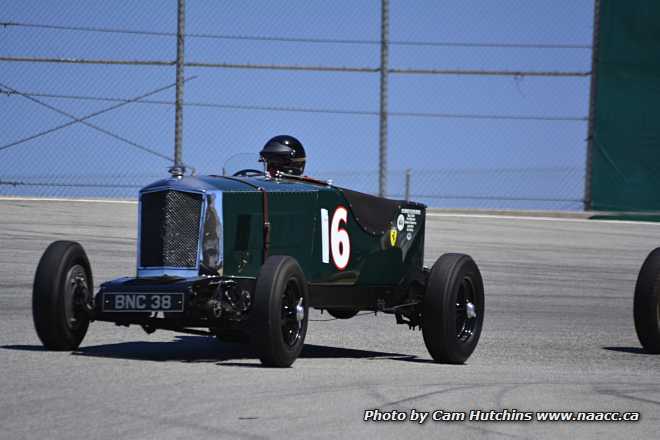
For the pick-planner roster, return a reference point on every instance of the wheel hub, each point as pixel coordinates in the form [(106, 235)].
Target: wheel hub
[(471, 310), (75, 294), (293, 314), (466, 311), (300, 311)]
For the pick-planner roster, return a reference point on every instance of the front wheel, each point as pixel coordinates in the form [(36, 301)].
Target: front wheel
[(61, 293), (453, 309), (280, 314), (647, 303)]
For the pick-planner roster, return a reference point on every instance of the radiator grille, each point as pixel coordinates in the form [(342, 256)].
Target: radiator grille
[(169, 233)]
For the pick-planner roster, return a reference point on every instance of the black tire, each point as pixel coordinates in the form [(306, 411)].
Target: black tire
[(279, 330), (450, 332), (342, 313), (647, 303), (63, 285)]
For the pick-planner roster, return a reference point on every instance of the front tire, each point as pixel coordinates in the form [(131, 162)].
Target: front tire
[(647, 303), (62, 289), (280, 312), (453, 309)]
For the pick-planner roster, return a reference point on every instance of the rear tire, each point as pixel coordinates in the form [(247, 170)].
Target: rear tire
[(647, 303), (453, 309), (280, 313), (63, 286)]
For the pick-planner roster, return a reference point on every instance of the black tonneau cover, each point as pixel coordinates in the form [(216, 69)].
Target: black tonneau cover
[(374, 214)]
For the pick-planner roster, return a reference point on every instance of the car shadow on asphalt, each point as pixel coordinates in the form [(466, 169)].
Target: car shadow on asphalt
[(24, 347), (207, 349), (633, 350)]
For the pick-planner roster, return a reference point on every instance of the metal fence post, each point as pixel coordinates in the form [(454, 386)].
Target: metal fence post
[(591, 125), (407, 191), (384, 53), (178, 169)]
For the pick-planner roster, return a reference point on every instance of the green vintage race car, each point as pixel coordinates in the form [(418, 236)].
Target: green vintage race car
[(245, 257)]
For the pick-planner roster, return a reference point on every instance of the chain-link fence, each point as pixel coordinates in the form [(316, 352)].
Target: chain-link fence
[(487, 102)]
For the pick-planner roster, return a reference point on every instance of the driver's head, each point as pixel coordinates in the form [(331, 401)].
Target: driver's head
[(285, 154)]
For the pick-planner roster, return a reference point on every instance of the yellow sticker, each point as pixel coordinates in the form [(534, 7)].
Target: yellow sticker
[(393, 234)]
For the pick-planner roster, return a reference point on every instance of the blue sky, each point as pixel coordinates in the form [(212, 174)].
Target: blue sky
[(449, 156)]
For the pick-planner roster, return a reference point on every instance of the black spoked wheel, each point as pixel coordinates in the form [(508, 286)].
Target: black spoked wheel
[(62, 296), (453, 309), (647, 303), (280, 313)]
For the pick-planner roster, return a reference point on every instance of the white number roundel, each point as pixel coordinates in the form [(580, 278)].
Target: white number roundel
[(340, 242)]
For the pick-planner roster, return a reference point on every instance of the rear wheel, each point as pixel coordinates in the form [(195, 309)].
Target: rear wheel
[(280, 311), (647, 303), (453, 308), (61, 293)]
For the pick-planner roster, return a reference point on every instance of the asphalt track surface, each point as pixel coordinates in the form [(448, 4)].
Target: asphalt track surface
[(558, 334)]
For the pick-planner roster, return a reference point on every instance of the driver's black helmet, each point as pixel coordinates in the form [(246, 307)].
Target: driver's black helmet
[(285, 154)]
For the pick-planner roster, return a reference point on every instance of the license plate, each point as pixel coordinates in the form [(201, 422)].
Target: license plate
[(142, 302)]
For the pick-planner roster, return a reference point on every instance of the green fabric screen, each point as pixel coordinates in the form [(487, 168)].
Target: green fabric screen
[(626, 143)]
